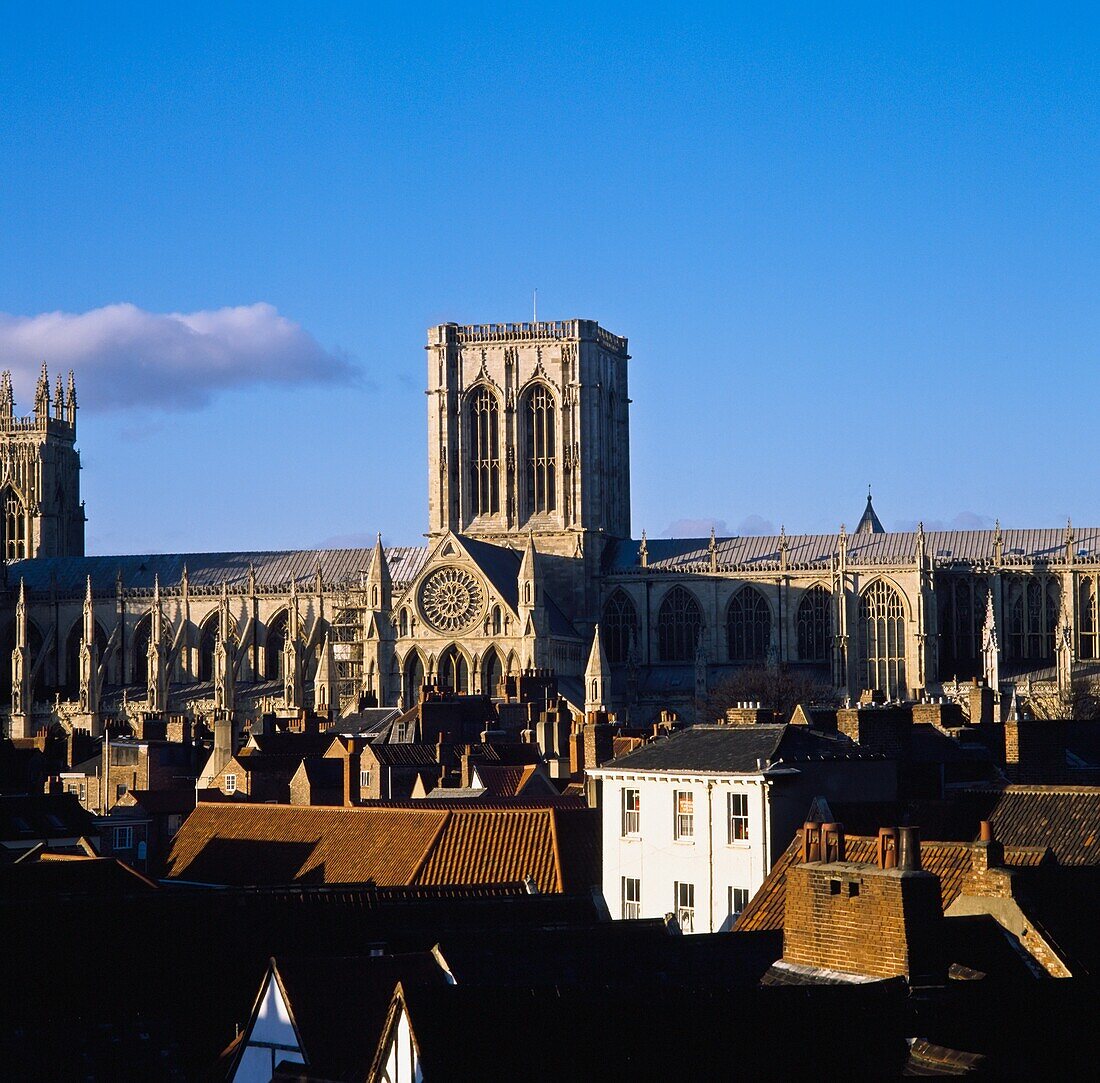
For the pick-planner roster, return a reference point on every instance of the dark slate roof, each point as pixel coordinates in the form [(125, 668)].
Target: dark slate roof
[(761, 553), (50, 876), (207, 571), (737, 749), (869, 521), (30, 817)]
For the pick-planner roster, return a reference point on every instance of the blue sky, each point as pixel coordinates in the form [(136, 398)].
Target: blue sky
[(847, 245)]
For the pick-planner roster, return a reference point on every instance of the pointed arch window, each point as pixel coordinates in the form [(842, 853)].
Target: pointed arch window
[(619, 628), (139, 672), (962, 605), (815, 625), (541, 455), (413, 679), (1087, 645), (453, 673), (882, 639), (492, 674), (273, 649), (1032, 618), (748, 626), (484, 431), (208, 640), (15, 527), (679, 626)]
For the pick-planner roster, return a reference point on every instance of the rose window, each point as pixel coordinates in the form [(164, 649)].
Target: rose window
[(450, 599)]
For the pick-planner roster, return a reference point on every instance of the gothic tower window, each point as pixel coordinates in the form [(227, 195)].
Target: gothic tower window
[(15, 527), (679, 626), (619, 629), (748, 626), (540, 452), (882, 639), (1087, 620), (814, 625), (484, 429), (453, 674)]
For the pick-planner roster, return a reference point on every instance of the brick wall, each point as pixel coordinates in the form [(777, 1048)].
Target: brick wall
[(864, 920)]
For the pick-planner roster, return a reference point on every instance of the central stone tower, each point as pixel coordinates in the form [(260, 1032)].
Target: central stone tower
[(528, 432)]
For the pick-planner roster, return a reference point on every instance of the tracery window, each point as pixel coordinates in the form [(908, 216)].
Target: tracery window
[(962, 603), (815, 625), (208, 640), (619, 630), (1088, 647), (491, 674), (139, 673), (273, 648), (1032, 617), (679, 626), (882, 639), (413, 679), (541, 453), (484, 422), (453, 673), (15, 527), (748, 626)]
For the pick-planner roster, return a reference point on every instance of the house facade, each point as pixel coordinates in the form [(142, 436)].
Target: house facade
[(692, 823)]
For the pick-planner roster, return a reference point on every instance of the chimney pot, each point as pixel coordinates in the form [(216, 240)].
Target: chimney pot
[(986, 831), (832, 842), (811, 841), (888, 848), (909, 848)]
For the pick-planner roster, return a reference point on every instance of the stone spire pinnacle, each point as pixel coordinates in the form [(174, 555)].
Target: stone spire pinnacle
[(7, 399), (597, 676), (42, 395), (379, 583), (643, 552)]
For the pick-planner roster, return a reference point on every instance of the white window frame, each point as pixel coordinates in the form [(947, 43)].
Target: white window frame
[(684, 899), (737, 817), (123, 833), (364, 778), (683, 823), (735, 911), (231, 783), (631, 898), (632, 817)]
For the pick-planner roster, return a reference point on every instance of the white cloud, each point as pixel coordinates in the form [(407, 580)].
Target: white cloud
[(695, 528), (126, 357)]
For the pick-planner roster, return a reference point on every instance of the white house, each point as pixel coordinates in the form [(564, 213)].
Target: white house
[(693, 821)]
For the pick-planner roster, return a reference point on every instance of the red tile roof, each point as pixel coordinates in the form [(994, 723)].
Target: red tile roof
[(950, 861), (390, 845)]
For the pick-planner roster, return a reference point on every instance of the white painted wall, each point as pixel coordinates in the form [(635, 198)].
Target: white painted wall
[(272, 1039), (659, 860), (401, 1064)]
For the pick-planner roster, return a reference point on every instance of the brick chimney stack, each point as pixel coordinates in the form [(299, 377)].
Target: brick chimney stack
[(881, 919)]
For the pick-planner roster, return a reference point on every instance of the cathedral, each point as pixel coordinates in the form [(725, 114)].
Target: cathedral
[(529, 565)]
